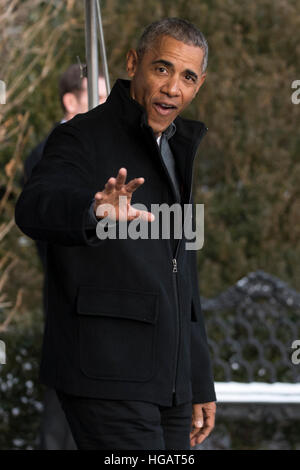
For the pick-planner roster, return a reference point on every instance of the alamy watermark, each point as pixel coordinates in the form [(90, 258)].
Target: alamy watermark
[(296, 354), (2, 92), (295, 97), (169, 221), (2, 352)]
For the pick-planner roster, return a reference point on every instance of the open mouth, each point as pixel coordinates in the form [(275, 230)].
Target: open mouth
[(164, 109)]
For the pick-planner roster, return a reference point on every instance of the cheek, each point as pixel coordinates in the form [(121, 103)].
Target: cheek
[(84, 104), (146, 93), (188, 96), (154, 91)]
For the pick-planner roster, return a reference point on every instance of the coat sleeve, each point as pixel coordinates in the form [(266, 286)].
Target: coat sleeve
[(54, 203), (201, 367)]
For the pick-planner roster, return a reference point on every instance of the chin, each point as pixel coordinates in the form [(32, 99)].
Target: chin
[(158, 128)]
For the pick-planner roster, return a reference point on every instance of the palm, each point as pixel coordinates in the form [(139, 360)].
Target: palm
[(115, 200)]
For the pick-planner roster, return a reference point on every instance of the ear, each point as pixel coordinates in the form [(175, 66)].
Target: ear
[(132, 62), (70, 102)]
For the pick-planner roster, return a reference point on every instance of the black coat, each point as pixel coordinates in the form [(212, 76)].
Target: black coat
[(120, 323), (31, 161)]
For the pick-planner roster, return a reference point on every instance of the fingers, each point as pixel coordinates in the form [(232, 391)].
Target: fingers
[(147, 216), (196, 429), (110, 185), (203, 422), (98, 197), (143, 215), (121, 178), (201, 434), (198, 417), (118, 183), (116, 189), (134, 184)]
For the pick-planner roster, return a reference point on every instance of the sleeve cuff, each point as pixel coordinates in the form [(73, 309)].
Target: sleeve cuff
[(91, 219), (90, 225), (205, 396)]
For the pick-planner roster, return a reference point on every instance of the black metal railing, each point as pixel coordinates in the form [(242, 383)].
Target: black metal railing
[(251, 328)]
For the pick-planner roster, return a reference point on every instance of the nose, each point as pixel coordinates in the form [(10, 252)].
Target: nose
[(171, 86)]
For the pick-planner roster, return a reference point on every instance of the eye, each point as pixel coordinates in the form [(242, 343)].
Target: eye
[(190, 78), (161, 69)]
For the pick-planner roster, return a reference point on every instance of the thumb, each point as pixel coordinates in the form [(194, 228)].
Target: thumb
[(198, 419)]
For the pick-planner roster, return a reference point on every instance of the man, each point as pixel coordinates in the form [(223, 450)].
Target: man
[(73, 95), (125, 343)]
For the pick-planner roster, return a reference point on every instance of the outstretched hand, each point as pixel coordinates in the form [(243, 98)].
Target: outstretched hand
[(108, 203)]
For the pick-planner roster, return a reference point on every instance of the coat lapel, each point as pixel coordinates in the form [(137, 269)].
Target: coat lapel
[(184, 145)]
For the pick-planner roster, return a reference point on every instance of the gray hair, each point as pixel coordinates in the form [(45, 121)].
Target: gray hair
[(177, 28)]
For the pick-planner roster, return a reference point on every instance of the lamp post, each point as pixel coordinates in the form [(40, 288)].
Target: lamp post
[(92, 20), (91, 52), (102, 47)]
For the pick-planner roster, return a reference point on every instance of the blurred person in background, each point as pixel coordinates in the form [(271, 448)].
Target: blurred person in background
[(55, 433), (73, 96)]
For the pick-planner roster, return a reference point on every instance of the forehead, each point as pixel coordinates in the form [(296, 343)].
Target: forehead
[(181, 55)]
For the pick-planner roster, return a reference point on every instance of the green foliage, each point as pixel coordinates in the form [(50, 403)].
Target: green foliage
[(20, 393)]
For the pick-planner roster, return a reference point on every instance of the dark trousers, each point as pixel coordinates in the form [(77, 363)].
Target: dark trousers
[(98, 424), (54, 432)]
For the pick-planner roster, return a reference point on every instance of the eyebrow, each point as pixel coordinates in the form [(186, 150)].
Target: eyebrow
[(169, 64)]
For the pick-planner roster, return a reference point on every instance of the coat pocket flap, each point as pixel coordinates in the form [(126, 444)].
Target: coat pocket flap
[(121, 303)]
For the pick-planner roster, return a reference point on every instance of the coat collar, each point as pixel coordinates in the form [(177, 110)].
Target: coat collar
[(134, 114), (124, 107)]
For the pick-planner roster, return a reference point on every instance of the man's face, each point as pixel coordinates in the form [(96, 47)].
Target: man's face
[(77, 103), (82, 100), (165, 80)]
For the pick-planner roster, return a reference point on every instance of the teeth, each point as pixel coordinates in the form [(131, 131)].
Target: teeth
[(166, 105)]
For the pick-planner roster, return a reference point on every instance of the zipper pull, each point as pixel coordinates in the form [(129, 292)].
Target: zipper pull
[(174, 265)]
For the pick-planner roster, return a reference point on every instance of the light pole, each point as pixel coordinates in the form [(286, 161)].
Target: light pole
[(91, 52), (92, 19)]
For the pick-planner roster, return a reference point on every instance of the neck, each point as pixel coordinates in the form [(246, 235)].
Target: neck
[(68, 116)]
